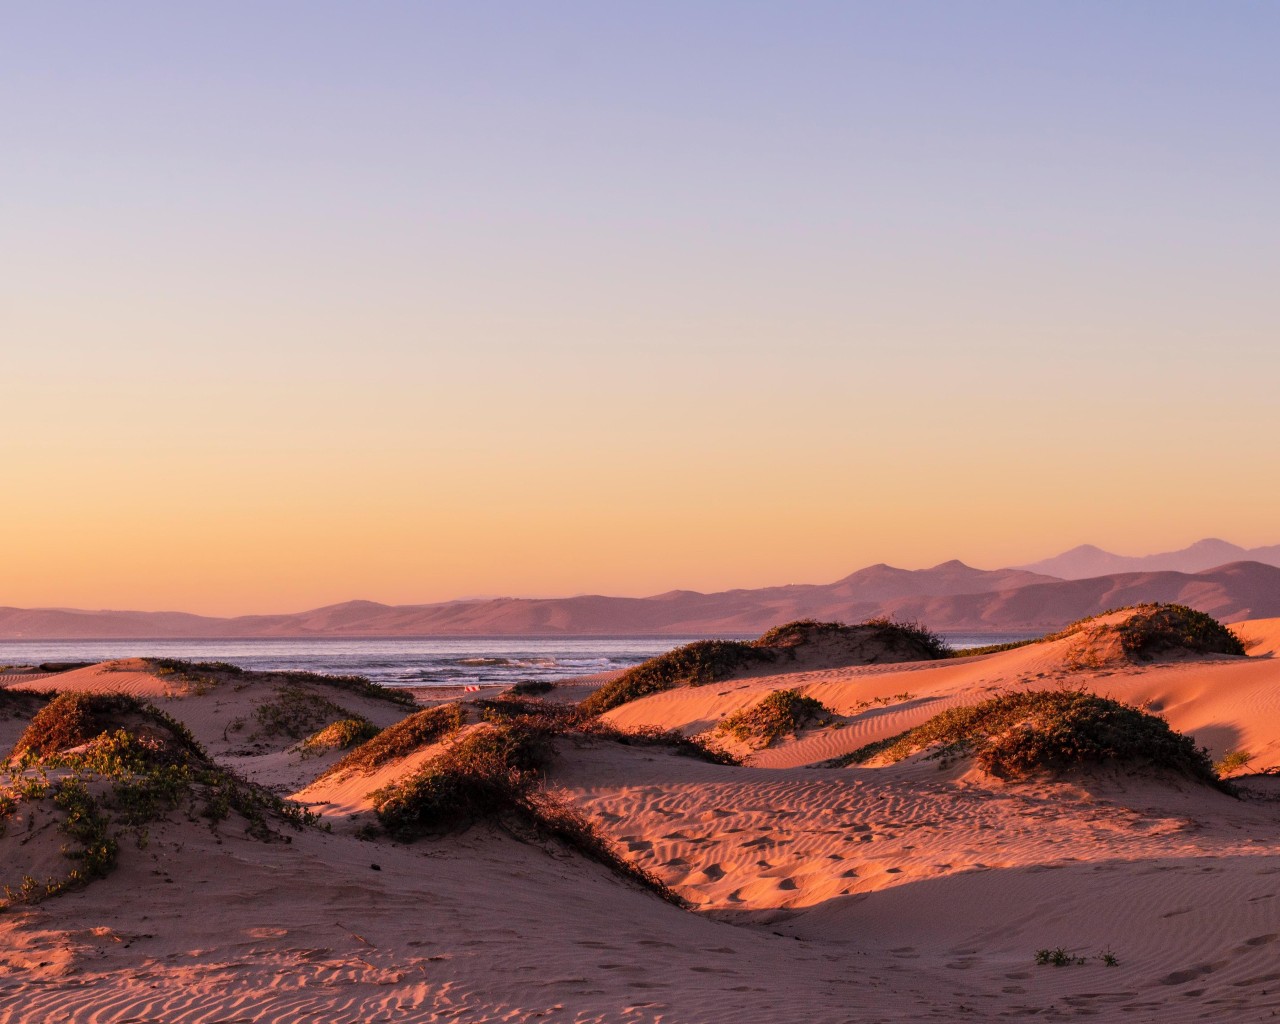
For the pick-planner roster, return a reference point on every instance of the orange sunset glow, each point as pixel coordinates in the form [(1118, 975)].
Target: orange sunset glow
[(639, 513)]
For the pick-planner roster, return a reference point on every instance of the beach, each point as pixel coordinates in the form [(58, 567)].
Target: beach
[(908, 891)]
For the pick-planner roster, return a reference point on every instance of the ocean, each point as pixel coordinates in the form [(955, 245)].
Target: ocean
[(431, 661)]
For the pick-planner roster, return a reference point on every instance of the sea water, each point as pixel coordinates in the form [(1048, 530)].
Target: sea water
[(431, 661)]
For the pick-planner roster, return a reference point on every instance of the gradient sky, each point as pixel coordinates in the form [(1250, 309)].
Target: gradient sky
[(302, 302)]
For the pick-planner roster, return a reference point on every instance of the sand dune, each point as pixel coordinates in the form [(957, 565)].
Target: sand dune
[(899, 893)]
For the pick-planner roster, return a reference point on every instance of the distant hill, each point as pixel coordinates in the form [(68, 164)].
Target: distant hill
[(1241, 590), (857, 596), (951, 596), (1087, 561)]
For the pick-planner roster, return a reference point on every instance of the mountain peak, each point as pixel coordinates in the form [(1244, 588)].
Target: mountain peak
[(1088, 561), (1213, 544)]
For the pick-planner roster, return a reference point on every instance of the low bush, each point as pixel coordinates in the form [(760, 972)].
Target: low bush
[(781, 713), (711, 661), (492, 775), (797, 633), (917, 642), (340, 735), (695, 664), (403, 738), (295, 712), (73, 719), (1152, 629), (1020, 734), (1156, 628), (474, 780), (533, 712), (123, 765)]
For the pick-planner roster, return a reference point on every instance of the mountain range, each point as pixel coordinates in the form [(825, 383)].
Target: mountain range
[(947, 597), (1086, 560)]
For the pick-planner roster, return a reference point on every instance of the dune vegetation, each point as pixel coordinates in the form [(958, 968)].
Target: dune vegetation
[(202, 676), (106, 767), (780, 713), (569, 721), (1149, 630), (710, 661), (493, 775), (340, 735), (1156, 628), (400, 740), (1018, 735)]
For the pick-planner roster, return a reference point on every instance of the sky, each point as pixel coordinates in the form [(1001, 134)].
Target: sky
[(307, 302)]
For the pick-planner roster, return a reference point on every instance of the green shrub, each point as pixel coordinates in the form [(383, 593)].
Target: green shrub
[(403, 738), (1156, 628), (778, 714), (1150, 630), (139, 766), (797, 633), (910, 638), (711, 661), (295, 712), (73, 719), (533, 712), (340, 735), (492, 776), (476, 779), (1019, 734), (695, 664)]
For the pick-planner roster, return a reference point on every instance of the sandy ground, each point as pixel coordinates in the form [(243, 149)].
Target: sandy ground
[(903, 893)]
